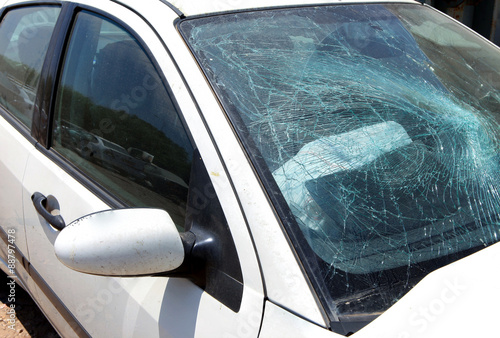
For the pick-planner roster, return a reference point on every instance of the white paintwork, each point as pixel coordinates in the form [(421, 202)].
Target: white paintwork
[(278, 322), (124, 242), (42, 175), (284, 279), (14, 152), (285, 282), (143, 306), (460, 299)]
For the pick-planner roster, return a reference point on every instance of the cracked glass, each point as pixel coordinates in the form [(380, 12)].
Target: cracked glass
[(377, 125)]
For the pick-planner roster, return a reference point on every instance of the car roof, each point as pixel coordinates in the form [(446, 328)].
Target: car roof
[(201, 7)]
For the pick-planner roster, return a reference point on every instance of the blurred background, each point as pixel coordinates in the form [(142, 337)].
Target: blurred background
[(483, 16)]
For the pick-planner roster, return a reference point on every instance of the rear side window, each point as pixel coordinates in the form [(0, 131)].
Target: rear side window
[(24, 39), (116, 121)]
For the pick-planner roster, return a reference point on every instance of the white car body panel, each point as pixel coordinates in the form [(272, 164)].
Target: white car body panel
[(181, 308), (457, 300), (278, 322), (284, 280), (14, 154), (217, 169)]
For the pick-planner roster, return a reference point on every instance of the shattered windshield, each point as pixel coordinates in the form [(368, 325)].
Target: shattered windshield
[(379, 127)]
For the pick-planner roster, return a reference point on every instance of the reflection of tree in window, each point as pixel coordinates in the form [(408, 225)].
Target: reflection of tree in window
[(116, 116), (24, 38)]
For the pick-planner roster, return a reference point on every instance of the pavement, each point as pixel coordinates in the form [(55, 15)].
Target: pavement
[(25, 318)]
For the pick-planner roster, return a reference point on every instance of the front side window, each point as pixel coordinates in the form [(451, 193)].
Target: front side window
[(116, 121), (377, 126), (24, 39)]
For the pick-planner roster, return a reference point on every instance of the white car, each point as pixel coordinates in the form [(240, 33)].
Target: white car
[(295, 168)]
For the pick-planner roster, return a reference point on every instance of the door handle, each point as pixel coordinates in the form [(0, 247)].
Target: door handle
[(48, 208)]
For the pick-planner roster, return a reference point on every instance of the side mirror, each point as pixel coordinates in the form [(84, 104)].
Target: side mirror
[(123, 242)]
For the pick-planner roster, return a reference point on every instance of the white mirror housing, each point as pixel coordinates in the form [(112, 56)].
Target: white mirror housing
[(123, 242)]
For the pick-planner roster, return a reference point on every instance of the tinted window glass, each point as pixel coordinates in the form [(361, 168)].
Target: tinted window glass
[(116, 121), (24, 38)]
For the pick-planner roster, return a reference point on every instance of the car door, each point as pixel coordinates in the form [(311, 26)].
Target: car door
[(25, 34), (117, 137)]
